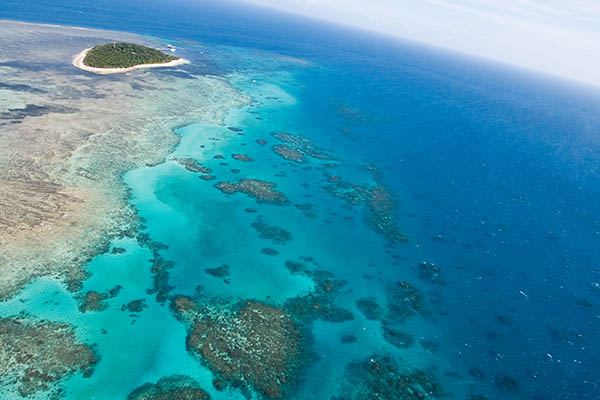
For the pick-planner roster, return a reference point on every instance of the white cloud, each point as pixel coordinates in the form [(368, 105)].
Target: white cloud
[(552, 36)]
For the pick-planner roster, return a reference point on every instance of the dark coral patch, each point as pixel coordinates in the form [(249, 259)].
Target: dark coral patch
[(219, 272), (397, 338), (114, 292), (378, 377), (251, 345), (207, 177), (262, 191), (429, 272), (118, 250), (505, 383), (404, 300), (135, 306), (307, 209), (37, 355), (287, 153), (269, 251), (271, 232), (176, 387), (301, 144), (369, 307), (192, 165), (93, 301), (378, 202), (241, 157)]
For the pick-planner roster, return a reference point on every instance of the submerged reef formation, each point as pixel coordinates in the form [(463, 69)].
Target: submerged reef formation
[(219, 272), (176, 387), (404, 300), (262, 191), (249, 345), (36, 355), (378, 201), (192, 165), (319, 303), (271, 232), (378, 377), (286, 152), (298, 144), (93, 301), (369, 307), (430, 273), (241, 157), (61, 195)]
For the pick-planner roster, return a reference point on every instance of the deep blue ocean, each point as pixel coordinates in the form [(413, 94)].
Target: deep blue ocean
[(494, 170)]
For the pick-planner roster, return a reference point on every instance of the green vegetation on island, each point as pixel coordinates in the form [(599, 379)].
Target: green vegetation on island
[(124, 55)]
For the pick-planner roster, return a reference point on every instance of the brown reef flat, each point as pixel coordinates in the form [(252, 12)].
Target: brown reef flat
[(67, 136), (36, 355), (249, 345)]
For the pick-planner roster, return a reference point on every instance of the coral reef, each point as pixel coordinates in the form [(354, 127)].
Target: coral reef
[(176, 387), (135, 306), (118, 250), (301, 144), (369, 307), (262, 191), (396, 337), (404, 300), (241, 157), (307, 209), (219, 272), (270, 232), (192, 165), (269, 251), (505, 383), (93, 301), (287, 153), (430, 273), (379, 204), (249, 345), (378, 377), (36, 355), (318, 304)]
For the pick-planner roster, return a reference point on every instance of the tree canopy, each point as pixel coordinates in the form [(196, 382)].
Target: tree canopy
[(124, 55)]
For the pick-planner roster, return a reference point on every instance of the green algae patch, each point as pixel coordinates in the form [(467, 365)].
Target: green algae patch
[(176, 387), (124, 55), (249, 345), (36, 355)]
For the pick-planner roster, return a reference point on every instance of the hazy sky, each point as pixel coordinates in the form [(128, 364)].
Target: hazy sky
[(560, 37)]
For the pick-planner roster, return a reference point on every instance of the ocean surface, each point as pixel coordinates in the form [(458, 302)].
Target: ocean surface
[(494, 173)]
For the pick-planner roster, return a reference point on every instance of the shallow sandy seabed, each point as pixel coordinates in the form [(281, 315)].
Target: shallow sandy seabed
[(67, 136)]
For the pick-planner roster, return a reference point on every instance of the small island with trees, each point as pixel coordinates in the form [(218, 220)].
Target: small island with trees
[(116, 57)]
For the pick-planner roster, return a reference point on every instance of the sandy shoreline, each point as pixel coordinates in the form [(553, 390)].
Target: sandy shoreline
[(78, 62)]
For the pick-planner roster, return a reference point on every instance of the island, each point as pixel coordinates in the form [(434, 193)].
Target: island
[(111, 58)]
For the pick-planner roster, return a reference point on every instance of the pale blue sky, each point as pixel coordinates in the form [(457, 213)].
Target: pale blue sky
[(559, 37)]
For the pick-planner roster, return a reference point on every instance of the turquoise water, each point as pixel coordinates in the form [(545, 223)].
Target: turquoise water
[(494, 173)]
